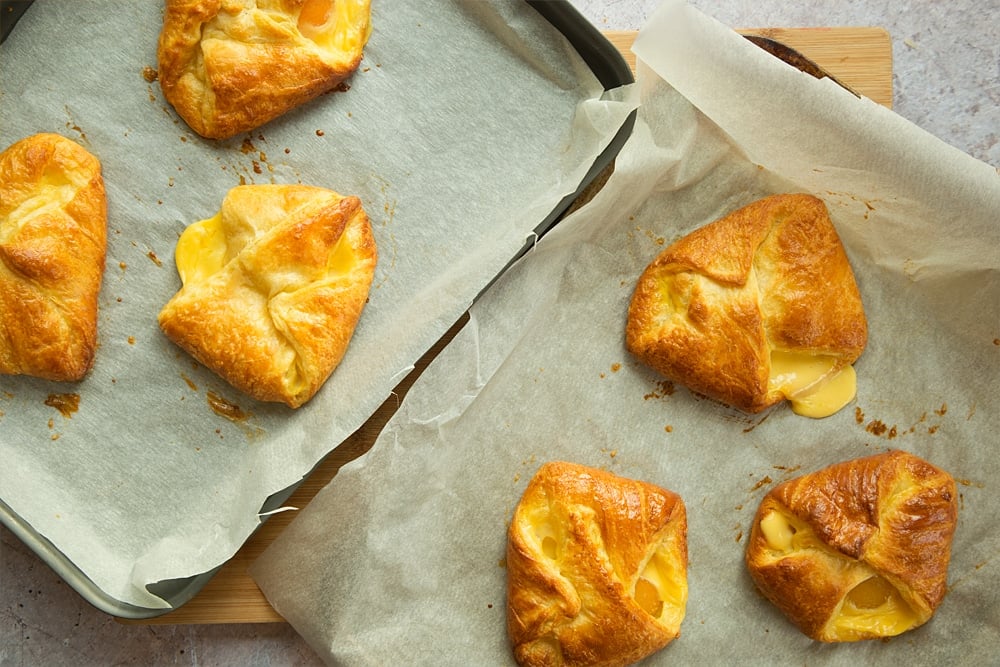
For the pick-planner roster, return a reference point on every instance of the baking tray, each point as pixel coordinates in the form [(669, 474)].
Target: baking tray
[(611, 70)]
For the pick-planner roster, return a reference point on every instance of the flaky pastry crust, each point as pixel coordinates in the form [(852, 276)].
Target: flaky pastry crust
[(771, 276), (271, 297), (596, 568), (229, 66), (858, 550), (53, 241)]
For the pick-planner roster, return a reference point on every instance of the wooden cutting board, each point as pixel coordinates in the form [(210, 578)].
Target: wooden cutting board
[(861, 58)]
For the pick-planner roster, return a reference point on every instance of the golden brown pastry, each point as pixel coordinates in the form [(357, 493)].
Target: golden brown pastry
[(273, 287), (53, 240), (755, 308), (229, 66), (858, 550), (596, 568)]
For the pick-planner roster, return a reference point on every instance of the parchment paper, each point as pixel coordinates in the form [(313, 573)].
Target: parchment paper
[(465, 126), (400, 558)]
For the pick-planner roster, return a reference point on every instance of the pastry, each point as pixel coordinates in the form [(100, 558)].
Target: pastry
[(755, 308), (229, 66), (273, 286), (596, 568), (53, 240), (858, 550)]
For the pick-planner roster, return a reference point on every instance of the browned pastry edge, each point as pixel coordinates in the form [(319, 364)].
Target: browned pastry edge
[(225, 83), (893, 512), (244, 322), (53, 242), (575, 605), (772, 274)]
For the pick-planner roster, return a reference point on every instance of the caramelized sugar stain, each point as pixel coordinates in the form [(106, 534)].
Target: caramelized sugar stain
[(66, 404), (226, 408), (664, 388), (234, 413), (880, 429), (754, 423)]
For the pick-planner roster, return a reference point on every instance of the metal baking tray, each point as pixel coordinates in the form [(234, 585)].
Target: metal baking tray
[(607, 65)]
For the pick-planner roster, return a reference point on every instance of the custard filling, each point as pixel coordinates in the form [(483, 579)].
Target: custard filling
[(813, 384), (661, 588), (201, 250), (872, 607)]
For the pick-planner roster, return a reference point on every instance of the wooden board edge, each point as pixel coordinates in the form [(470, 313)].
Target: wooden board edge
[(860, 57)]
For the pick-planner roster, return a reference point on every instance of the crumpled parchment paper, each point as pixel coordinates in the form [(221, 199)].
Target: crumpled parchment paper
[(400, 557)]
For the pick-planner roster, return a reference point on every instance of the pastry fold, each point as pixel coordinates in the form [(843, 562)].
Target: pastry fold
[(273, 287), (53, 242), (756, 307), (229, 66), (858, 550), (596, 568)]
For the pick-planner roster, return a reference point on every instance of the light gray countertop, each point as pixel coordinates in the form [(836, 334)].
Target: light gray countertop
[(946, 80)]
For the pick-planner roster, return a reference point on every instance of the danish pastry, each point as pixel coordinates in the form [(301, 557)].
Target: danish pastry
[(596, 568), (229, 66), (273, 286), (755, 308), (858, 550), (53, 241)]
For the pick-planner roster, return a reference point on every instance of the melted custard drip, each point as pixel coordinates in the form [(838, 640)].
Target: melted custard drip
[(813, 384)]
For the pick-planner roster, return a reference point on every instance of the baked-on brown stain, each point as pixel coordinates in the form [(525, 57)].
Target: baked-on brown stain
[(664, 388), (226, 408), (66, 404), (876, 427)]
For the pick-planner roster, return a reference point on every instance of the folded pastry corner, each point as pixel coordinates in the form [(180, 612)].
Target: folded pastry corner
[(858, 550), (755, 308), (53, 242), (596, 568), (229, 66), (273, 287)]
